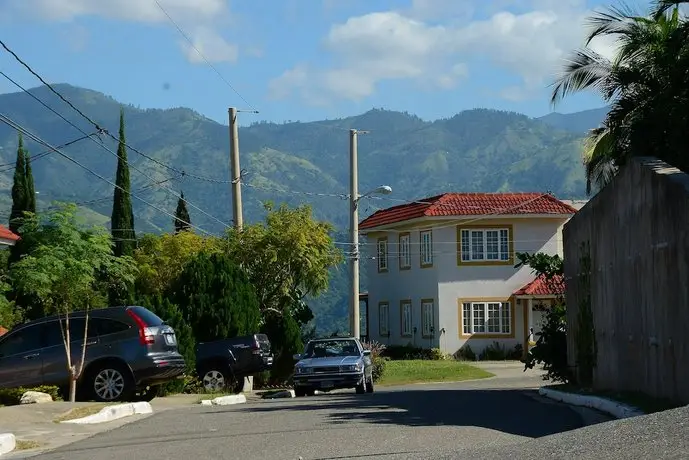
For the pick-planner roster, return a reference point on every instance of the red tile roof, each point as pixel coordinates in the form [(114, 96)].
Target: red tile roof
[(5, 233), (542, 286), (469, 204), (3, 331)]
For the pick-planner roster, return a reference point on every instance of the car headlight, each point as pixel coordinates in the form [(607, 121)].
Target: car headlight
[(351, 368), (302, 370)]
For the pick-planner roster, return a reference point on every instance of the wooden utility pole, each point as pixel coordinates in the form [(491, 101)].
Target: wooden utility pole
[(235, 171)]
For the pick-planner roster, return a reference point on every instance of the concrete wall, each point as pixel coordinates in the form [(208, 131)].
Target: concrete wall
[(637, 229), (446, 281)]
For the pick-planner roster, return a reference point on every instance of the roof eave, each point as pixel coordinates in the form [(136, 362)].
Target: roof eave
[(380, 228)]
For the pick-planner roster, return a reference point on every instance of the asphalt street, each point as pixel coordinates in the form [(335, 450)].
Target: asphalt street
[(412, 422)]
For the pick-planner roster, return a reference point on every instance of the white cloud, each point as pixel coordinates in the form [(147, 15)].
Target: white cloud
[(200, 19), (432, 42)]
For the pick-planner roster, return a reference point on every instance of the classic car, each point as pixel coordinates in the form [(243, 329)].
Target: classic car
[(331, 364)]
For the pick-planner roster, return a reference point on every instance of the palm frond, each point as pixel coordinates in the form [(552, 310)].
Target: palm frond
[(598, 157), (585, 69)]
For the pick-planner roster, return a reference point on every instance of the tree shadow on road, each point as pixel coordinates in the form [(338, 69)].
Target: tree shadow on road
[(510, 411)]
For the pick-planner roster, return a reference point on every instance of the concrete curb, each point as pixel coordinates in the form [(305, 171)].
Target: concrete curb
[(279, 395), (224, 400), (110, 413), (614, 408), (7, 443)]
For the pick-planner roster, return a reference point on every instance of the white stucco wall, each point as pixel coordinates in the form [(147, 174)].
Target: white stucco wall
[(446, 282)]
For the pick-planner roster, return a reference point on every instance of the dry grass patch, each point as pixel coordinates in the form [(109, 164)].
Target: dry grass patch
[(23, 444), (79, 412)]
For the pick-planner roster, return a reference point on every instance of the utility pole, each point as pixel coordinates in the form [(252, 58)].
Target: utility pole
[(235, 171), (354, 323)]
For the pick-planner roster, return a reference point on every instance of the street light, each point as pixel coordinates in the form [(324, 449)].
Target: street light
[(354, 197)]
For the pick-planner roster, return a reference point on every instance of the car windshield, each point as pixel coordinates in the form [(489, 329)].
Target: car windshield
[(328, 348)]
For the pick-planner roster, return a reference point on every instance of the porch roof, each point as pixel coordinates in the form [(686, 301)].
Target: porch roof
[(542, 287)]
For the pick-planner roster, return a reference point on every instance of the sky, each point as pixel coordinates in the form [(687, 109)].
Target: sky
[(303, 59)]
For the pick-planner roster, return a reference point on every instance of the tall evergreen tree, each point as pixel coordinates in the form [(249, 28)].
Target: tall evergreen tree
[(182, 219), (30, 188), (122, 219), (19, 198)]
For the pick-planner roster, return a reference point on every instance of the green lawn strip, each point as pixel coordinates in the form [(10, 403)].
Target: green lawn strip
[(418, 371), (79, 412), (641, 401)]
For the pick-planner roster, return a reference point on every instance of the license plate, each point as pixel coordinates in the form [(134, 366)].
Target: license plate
[(170, 339), (326, 384)]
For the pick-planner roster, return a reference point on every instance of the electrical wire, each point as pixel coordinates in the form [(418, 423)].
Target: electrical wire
[(169, 190), (12, 124), (191, 43)]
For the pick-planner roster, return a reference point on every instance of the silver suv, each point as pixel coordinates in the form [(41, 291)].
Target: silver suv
[(128, 350)]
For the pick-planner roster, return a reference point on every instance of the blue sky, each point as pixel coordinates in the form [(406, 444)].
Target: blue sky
[(303, 59)]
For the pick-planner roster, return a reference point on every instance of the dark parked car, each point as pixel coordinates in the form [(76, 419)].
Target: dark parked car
[(330, 364), (128, 350), (224, 363)]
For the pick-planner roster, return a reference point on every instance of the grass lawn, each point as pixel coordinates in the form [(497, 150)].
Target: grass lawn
[(640, 401), (418, 371)]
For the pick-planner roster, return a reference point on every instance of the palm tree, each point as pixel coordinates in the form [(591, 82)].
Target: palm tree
[(645, 85)]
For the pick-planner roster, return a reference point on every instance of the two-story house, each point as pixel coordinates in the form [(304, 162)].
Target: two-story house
[(442, 270)]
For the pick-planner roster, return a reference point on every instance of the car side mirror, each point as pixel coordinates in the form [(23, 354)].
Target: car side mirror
[(367, 352), (296, 357)]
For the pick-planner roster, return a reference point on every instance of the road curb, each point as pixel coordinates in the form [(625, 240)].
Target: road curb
[(279, 395), (614, 408), (224, 400), (110, 413), (7, 443)]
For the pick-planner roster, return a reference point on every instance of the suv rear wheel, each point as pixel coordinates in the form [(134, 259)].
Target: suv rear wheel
[(110, 382)]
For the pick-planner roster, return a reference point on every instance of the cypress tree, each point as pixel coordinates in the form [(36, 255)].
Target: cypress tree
[(122, 219), (182, 219), (19, 198), (30, 188)]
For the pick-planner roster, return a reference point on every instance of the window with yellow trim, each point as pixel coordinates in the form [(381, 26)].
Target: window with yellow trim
[(427, 247), (382, 255), (486, 318), (383, 319), (406, 318), (404, 252), (485, 245)]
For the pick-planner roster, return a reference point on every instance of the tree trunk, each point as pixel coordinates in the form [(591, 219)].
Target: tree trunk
[(72, 384)]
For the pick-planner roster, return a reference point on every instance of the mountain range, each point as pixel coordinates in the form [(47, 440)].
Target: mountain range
[(293, 162)]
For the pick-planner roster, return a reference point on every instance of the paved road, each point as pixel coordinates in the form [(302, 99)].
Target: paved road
[(414, 422)]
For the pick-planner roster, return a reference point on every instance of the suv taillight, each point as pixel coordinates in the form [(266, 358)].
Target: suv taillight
[(146, 336)]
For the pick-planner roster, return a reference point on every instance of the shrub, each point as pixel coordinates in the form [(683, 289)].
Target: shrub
[(377, 349), (403, 352), (12, 396), (551, 347), (466, 353)]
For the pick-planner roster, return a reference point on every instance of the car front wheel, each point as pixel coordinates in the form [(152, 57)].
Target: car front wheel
[(362, 387)]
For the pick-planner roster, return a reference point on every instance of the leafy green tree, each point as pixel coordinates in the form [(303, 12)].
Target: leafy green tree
[(182, 220), (20, 202), (30, 188), (285, 337), (216, 298), (287, 258), (551, 345), (122, 219), (66, 270), (646, 86), (161, 258), (186, 343)]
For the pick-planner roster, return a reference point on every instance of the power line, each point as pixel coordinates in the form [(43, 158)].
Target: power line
[(169, 190), (27, 133), (38, 156), (99, 129), (191, 43)]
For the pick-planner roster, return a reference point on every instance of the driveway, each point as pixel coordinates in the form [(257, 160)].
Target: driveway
[(411, 422)]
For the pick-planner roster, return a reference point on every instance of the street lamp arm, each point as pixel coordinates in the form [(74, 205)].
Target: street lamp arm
[(381, 190)]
